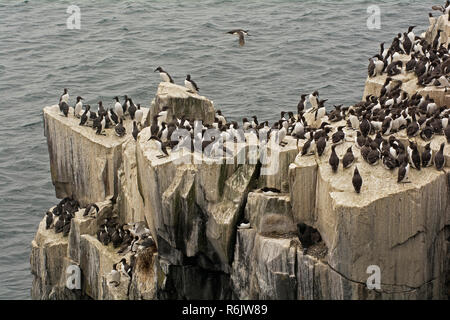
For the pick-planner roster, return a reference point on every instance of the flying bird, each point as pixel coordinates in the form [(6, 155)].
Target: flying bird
[(240, 33)]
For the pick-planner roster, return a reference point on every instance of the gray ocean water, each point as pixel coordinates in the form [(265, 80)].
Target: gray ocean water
[(295, 47)]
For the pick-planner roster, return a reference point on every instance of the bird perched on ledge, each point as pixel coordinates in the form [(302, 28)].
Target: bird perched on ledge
[(165, 77), (191, 85)]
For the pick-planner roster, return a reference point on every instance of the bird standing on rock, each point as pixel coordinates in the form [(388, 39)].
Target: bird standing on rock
[(139, 115), (403, 172), (132, 109), (135, 131), (118, 108), (165, 77), (321, 145), (357, 180), (78, 107), (339, 136), (334, 160), (191, 85), (301, 104), (348, 159), (120, 129), (115, 276), (65, 96), (427, 156), (49, 220), (439, 159)]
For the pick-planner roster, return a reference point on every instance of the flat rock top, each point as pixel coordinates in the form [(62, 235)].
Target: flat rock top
[(167, 89), (48, 236), (378, 182), (111, 140)]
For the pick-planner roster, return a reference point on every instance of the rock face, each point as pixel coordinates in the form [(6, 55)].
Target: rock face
[(440, 95), (379, 226), (181, 102), (234, 227), (82, 163)]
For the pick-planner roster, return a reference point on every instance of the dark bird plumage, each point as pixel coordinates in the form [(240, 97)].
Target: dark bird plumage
[(357, 180), (240, 33), (334, 160)]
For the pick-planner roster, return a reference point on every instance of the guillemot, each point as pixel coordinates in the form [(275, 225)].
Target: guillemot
[(190, 84), (118, 108), (334, 159), (78, 107), (120, 129), (164, 75), (357, 181), (240, 33)]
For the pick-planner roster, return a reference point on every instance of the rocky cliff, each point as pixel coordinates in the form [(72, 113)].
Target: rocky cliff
[(193, 206)]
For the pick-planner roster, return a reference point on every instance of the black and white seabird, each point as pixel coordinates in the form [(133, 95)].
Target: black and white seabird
[(190, 84), (49, 220), (240, 33), (132, 109), (414, 155), (427, 132), (308, 147), (365, 125), (255, 122), (90, 208), (348, 159), (353, 121), (281, 134), (65, 96), (339, 136), (115, 276), (373, 157), (160, 146), (413, 128), (357, 180), (386, 126), (85, 116), (113, 116), (125, 105), (125, 267), (221, 118), (120, 129), (403, 172), (100, 124), (314, 100), (389, 162), (59, 224), (165, 77), (301, 104), (321, 110), (154, 127), (118, 108), (135, 131), (439, 159), (321, 145), (78, 107), (334, 160), (139, 115), (64, 108), (427, 156), (411, 35)]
